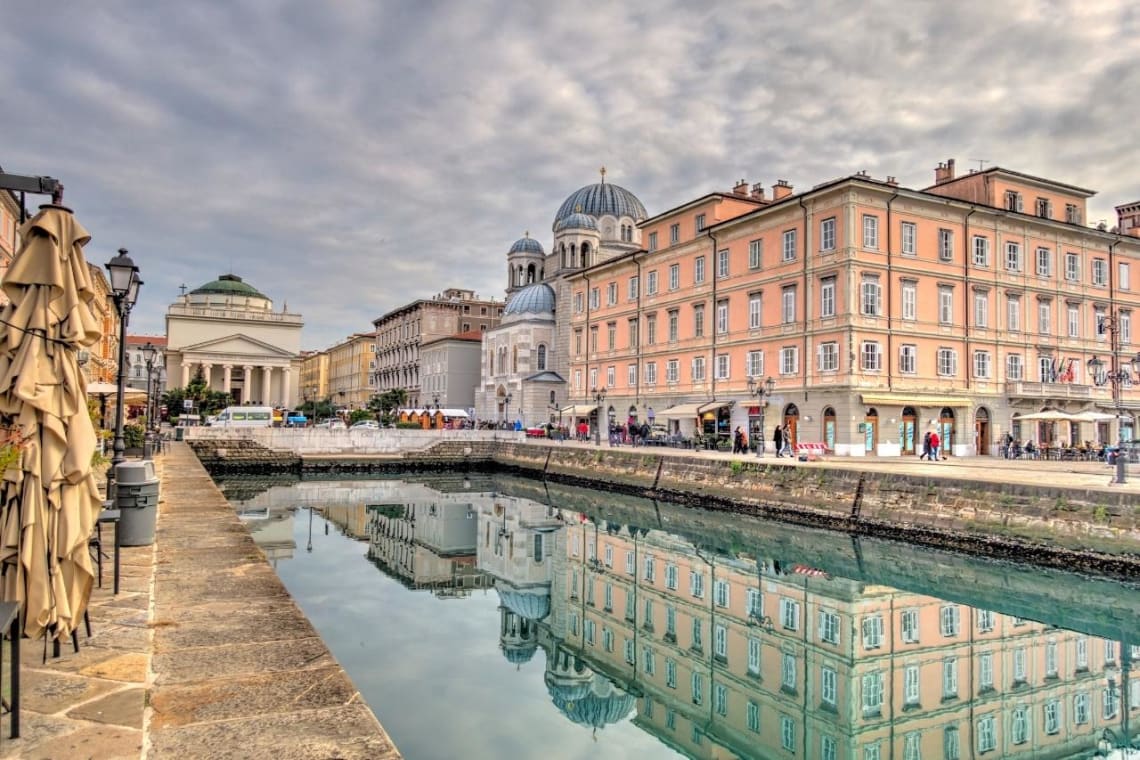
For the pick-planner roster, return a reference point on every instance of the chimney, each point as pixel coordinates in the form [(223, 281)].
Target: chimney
[(741, 188), (944, 172), (781, 190), (758, 192), (892, 181)]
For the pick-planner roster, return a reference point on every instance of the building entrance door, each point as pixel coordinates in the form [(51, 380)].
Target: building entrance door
[(871, 431), (907, 430), (982, 432)]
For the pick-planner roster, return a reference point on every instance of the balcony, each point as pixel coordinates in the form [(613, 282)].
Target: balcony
[(1048, 390)]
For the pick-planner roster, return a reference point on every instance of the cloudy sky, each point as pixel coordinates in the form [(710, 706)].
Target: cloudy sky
[(346, 157)]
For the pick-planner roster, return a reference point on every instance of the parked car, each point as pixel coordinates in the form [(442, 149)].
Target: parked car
[(365, 425), (336, 425)]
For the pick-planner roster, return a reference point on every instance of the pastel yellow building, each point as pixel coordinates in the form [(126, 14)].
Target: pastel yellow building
[(350, 371), (314, 375)]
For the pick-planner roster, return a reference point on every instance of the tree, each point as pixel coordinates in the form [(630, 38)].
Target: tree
[(206, 400), (387, 403)]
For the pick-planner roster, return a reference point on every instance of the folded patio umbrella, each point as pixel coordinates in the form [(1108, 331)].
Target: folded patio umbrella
[(49, 501)]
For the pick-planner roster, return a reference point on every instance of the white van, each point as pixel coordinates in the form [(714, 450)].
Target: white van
[(244, 416)]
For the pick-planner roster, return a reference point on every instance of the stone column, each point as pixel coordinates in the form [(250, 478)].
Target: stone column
[(207, 369), (185, 374), (247, 383), (266, 377), (285, 387), (227, 377)]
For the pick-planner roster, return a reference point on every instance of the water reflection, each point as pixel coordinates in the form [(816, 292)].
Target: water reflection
[(722, 637)]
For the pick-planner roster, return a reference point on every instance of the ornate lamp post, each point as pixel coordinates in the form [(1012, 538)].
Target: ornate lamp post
[(506, 408), (599, 397), (1121, 373), (125, 283), (761, 390), (435, 403), (149, 351)]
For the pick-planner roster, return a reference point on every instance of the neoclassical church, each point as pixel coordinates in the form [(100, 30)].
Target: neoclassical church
[(231, 332), (524, 364)]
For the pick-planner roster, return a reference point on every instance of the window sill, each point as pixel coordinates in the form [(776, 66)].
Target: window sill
[(790, 691), (910, 707)]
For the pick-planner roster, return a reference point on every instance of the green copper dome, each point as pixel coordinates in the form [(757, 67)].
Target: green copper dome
[(229, 285)]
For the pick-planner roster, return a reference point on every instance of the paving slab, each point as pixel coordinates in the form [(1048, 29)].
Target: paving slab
[(120, 708), (231, 660)]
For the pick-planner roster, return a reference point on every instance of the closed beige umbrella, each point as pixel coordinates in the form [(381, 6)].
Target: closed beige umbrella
[(48, 499)]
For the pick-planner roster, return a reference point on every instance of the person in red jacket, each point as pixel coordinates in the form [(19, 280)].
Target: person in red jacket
[(935, 443)]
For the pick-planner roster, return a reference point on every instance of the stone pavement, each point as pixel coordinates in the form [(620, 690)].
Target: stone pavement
[(203, 654)]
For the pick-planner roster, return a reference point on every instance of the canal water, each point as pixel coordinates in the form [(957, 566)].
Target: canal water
[(507, 618)]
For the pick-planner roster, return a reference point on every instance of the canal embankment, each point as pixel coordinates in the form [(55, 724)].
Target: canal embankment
[(1051, 513)]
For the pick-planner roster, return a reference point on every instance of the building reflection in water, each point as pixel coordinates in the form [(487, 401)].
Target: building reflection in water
[(272, 530), (725, 653)]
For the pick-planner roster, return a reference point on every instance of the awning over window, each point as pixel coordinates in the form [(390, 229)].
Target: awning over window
[(902, 399), (712, 406), (578, 410), (682, 411)]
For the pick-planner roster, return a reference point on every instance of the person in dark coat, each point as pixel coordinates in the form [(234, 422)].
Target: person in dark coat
[(925, 446), (778, 437)]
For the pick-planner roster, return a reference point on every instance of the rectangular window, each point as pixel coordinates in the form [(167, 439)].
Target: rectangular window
[(982, 365), (828, 357), (909, 239), (909, 299), (1082, 653), (947, 362), (909, 619), (945, 244), (827, 748), (611, 335), (631, 375), (699, 223), (674, 276), (629, 563), (578, 301), (790, 614), (674, 234), (872, 626), (1044, 261), (699, 270), (722, 366), (789, 245), (698, 368), (1072, 267), (987, 734), (870, 231), (1072, 213), (755, 603), (671, 674), (1014, 370), (755, 254), (721, 317), (1052, 716), (1073, 320), (720, 699), (873, 751), (651, 329), (788, 304), (1045, 317), (828, 686), (651, 373), (912, 746), (1044, 208), (595, 298), (827, 234), (949, 677), (674, 320), (981, 251), (672, 371), (651, 283), (671, 613), (827, 297), (720, 641), (754, 364), (1019, 726), (634, 284), (1013, 257), (755, 305), (609, 556), (828, 627), (872, 301), (653, 241), (1099, 272), (1013, 313), (872, 356), (1110, 702), (1123, 271), (753, 656), (788, 672), (753, 717), (949, 618), (945, 305), (981, 309), (633, 333), (985, 671), (696, 584), (1081, 709), (1045, 369), (648, 662), (722, 264), (698, 320), (698, 688), (594, 339), (1014, 201), (789, 360), (611, 294), (1126, 333), (610, 382), (787, 733), (951, 744), (872, 693)]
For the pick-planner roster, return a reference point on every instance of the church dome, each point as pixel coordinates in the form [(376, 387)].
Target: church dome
[(601, 199), (602, 705), (531, 604), (519, 654), (537, 298), (229, 285), (576, 221), (527, 244)]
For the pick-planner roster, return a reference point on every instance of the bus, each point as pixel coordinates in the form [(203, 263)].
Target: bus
[(244, 416)]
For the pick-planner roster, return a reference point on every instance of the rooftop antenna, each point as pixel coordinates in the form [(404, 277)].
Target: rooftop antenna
[(981, 162)]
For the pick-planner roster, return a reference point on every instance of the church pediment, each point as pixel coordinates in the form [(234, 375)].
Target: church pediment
[(237, 345)]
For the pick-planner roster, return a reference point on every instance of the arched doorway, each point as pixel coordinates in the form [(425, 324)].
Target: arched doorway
[(829, 429), (982, 431), (908, 430), (611, 417), (946, 432), (791, 422), (871, 431), (632, 415)]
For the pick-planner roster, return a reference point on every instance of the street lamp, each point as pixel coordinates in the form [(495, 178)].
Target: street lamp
[(506, 408), (149, 351), (125, 282), (1120, 374), (762, 391), (599, 397), (435, 402)]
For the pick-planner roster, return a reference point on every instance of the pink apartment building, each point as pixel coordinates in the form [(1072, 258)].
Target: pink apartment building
[(880, 312)]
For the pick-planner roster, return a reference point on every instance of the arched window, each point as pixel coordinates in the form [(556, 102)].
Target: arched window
[(573, 256), (565, 263), (541, 357), (553, 399), (530, 274)]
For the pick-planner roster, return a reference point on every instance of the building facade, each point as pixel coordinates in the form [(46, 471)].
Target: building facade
[(402, 332), (136, 362), (314, 375), (451, 370), (351, 367), (879, 312), (229, 332)]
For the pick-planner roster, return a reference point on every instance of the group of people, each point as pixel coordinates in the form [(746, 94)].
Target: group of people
[(931, 445), (782, 437), (629, 433)]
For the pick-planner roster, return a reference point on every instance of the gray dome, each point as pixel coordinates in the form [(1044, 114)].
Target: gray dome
[(518, 654), (533, 299), (600, 199), (527, 244), (532, 604), (576, 221), (603, 705)]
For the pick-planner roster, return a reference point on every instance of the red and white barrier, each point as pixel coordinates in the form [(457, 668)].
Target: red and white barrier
[(812, 451)]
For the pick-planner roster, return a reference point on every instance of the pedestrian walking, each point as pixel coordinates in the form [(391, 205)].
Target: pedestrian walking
[(787, 441), (926, 446), (934, 444), (737, 445), (778, 437)]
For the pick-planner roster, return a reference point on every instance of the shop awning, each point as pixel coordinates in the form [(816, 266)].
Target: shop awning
[(578, 410), (712, 406), (900, 399), (682, 411)]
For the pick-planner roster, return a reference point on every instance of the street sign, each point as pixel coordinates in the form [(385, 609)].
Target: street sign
[(187, 404)]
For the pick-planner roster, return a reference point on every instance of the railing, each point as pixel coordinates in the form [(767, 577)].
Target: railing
[(316, 440), (251, 315), (1048, 390)]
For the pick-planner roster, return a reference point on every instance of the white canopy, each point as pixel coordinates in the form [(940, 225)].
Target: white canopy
[(578, 410), (1093, 417), (681, 411), (1049, 415)]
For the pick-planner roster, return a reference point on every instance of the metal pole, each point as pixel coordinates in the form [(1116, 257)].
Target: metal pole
[(119, 445), (148, 440), (598, 424), (1117, 379), (760, 443)]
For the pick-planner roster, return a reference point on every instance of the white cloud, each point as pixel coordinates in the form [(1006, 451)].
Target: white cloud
[(348, 158)]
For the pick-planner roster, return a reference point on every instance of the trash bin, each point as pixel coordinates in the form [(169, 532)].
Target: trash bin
[(136, 498), (179, 433)]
